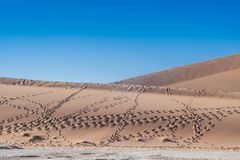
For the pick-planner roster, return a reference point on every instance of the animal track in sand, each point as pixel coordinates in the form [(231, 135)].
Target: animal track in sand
[(155, 123)]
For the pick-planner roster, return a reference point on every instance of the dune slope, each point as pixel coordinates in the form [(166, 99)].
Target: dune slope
[(191, 72), (228, 81)]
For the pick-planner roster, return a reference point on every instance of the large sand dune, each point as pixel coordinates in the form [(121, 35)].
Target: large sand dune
[(217, 74), (39, 114)]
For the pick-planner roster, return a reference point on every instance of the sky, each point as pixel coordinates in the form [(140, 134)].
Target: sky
[(103, 41)]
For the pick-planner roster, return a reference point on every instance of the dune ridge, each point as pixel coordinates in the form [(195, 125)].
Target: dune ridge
[(123, 87)]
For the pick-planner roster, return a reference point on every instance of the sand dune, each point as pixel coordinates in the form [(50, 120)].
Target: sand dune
[(199, 71), (40, 114), (197, 107)]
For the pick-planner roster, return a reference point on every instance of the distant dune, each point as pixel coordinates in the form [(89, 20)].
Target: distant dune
[(218, 74), (196, 107)]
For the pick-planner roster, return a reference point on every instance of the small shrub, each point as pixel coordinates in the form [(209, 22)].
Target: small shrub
[(36, 138)]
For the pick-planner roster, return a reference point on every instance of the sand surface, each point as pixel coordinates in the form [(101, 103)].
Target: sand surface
[(126, 116)]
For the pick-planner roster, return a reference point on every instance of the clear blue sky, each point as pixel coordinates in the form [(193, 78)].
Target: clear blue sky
[(109, 40)]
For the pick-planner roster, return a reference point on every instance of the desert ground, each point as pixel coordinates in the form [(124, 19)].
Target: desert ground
[(118, 116), (197, 114)]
